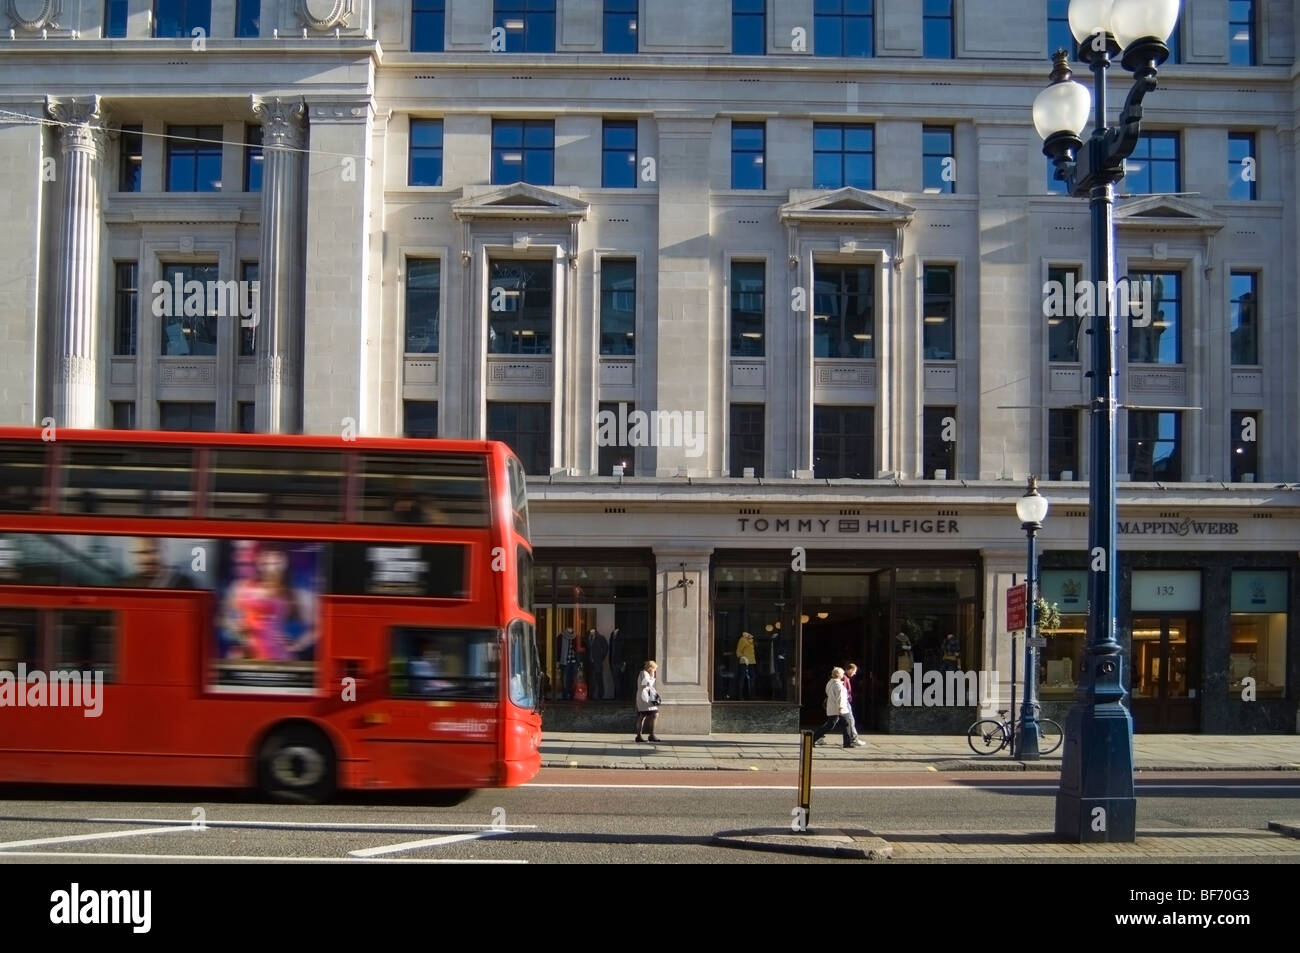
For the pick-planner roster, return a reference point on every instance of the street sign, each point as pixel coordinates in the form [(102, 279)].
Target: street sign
[(1038, 642), (1016, 608)]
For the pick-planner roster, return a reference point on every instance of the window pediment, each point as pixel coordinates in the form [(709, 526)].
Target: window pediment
[(1166, 211), (848, 204), (519, 200)]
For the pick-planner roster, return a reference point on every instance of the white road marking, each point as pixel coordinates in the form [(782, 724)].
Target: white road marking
[(338, 826), (431, 842), (74, 838), (250, 858), (944, 788)]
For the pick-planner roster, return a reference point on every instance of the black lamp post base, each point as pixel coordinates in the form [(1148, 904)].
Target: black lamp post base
[(1097, 803), (1076, 818)]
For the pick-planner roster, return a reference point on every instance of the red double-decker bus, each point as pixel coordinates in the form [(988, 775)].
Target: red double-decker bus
[(298, 613)]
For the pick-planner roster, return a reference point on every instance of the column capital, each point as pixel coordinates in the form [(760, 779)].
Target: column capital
[(283, 121), (84, 121)]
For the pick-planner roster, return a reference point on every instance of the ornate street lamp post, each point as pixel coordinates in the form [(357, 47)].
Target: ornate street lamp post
[(1096, 800), (1031, 510)]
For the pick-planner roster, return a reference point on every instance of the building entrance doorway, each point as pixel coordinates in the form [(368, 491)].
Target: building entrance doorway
[(1166, 673), (844, 618)]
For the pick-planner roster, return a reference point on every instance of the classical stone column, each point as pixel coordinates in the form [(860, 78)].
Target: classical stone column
[(279, 334), (81, 141)]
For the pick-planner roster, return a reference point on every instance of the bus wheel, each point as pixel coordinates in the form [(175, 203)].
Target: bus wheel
[(296, 764)]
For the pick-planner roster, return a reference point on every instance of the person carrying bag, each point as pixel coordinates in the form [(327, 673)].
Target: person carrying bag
[(647, 702)]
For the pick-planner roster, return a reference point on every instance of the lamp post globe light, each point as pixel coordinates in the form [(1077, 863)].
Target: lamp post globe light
[(1096, 800), (1031, 509)]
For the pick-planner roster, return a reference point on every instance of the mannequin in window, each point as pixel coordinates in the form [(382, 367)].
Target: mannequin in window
[(597, 652), (618, 661), (745, 661)]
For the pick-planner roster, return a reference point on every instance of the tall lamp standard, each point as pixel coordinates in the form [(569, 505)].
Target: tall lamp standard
[(1031, 509), (1096, 800)]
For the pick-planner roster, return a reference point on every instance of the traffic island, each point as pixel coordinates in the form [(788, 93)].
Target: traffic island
[(830, 842)]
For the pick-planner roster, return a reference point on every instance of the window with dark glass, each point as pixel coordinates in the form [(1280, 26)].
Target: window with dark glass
[(526, 429), (617, 306), (844, 310), (248, 274), (523, 151), (84, 641), (843, 440), (276, 484), (746, 439), (748, 155), (1241, 32), (1243, 166), (449, 489), (937, 29), (760, 601), (748, 308), (115, 13), (748, 27), (127, 480), (610, 450), (618, 154), (1063, 444), (1245, 317), (843, 27), (938, 332), (521, 304), (195, 416), (428, 26), (22, 477), (20, 641), (425, 152), (1154, 167), (126, 307), (1060, 662), (1258, 631), (423, 300), (620, 26), (1063, 328), (248, 18), (529, 25), (525, 664), (246, 416), (193, 158), (1059, 35), (123, 414), (420, 419), (938, 160), (843, 154), (940, 443), (180, 18), (443, 663), (1155, 449), (184, 333), (1245, 445), (1159, 338), (253, 159), (130, 158)]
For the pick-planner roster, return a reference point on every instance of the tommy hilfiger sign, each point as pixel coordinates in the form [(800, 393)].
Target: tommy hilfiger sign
[(831, 527)]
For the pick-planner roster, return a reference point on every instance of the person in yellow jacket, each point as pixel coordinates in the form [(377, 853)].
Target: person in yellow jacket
[(746, 659)]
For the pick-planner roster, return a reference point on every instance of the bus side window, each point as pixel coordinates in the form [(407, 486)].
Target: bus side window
[(19, 640)]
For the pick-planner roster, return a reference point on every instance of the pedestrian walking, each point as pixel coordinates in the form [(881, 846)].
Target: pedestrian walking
[(837, 707), (647, 702), (849, 671)]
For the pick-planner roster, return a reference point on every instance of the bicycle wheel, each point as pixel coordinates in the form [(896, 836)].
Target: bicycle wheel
[(1050, 736), (986, 736)]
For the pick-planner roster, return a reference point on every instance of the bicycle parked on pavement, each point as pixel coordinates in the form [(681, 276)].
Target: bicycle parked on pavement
[(991, 735)]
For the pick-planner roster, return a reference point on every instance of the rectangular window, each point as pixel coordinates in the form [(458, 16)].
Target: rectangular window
[(748, 27), (617, 306), (521, 303), (1243, 166), (246, 416), (84, 642), (748, 308), (755, 620), (423, 301), (1155, 447), (1061, 660), (618, 154), (428, 26), (248, 18), (420, 419), (620, 26), (1154, 167), (276, 484), (1245, 446), (843, 27), (187, 416), (423, 488), (1257, 645), (609, 432), (523, 151), (937, 26), (179, 18), (425, 159), (115, 12), (526, 429), (248, 274), (938, 160), (126, 307), (127, 480), (1241, 32), (22, 478), (746, 440), (193, 158), (1245, 317), (1160, 340), (843, 439), (1059, 35), (938, 332), (940, 450), (184, 333), (844, 155), (130, 158), (253, 158), (844, 310), (444, 663), (123, 414), (529, 25), (1063, 445), (748, 155), (20, 640), (1063, 329)]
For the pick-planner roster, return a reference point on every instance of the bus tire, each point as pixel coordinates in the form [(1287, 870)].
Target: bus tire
[(297, 765)]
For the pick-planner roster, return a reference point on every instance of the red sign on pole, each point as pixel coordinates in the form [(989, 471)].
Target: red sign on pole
[(1016, 608)]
